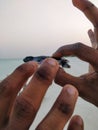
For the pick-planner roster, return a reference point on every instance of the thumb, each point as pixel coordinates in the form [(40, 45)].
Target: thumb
[(62, 78)]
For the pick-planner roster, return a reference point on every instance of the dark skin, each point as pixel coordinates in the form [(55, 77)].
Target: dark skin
[(86, 84), (90, 11), (17, 112), (92, 38), (94, 44)]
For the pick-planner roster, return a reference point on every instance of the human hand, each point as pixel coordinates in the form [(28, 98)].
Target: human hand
[(86, 84), (92, 38), (17, 111), (94, 45), (91, 12)]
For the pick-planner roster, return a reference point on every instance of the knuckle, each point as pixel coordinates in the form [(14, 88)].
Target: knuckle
[(25, 69), (44, 74), (23, 109), (77, 46), (65, 111), (88, 7), (22, 68), (65, 108)]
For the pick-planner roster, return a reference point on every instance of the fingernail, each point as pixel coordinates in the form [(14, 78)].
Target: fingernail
[(80, 122), (71, 90), (34, 64), (78, 119), (51, 62)]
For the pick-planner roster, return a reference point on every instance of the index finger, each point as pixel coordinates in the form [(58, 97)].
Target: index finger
[(90, 11), (28, 102), (80, 50)]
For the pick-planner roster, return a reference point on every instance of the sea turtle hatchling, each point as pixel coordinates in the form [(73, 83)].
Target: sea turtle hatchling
[(62, 61)]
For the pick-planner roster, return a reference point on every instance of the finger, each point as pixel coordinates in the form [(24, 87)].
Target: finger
[(28, 103), (92, 38), (91, 12), (89, 9), (80, 50), (11, 86), (82, 83), (61, 110), (62, 78), (76, 123)]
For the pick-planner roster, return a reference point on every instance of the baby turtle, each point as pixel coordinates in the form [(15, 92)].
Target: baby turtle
[(62, 61)]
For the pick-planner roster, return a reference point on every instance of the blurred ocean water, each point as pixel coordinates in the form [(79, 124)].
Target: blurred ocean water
[(8, 65), (88, 111)]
